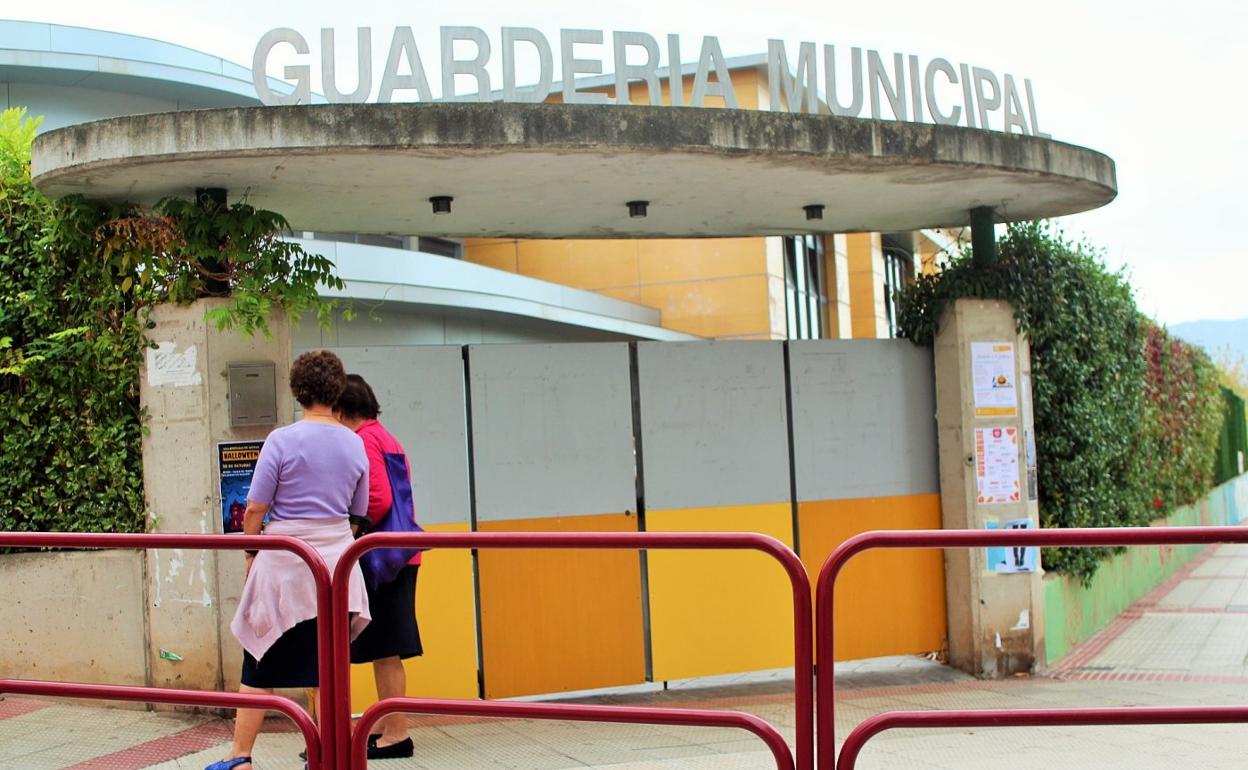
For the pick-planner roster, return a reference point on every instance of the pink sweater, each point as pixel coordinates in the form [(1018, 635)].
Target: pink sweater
[(279, 592)]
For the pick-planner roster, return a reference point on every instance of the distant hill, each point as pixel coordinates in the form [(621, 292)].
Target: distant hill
[(1216, 336)]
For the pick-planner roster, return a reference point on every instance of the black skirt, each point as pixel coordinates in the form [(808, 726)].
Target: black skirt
[(393, 631), (290, 662)]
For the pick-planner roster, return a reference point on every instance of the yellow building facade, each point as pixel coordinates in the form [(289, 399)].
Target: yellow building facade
[(765, 288)]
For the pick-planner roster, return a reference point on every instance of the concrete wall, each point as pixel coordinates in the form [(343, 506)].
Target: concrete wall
[(74, 617), (1074, 612), (193, 594)]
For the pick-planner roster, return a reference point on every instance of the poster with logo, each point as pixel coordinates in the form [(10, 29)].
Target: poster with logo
[(996, 466), (992, 379), (236, 461)]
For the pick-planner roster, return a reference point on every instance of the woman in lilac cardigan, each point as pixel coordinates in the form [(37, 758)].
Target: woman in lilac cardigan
[(310, 477)]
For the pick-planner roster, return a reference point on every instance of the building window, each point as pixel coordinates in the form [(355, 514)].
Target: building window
[(898, 274), (440, 246), (805, 286)]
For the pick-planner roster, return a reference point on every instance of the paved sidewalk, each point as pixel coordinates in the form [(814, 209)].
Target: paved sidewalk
[(1185, 644)]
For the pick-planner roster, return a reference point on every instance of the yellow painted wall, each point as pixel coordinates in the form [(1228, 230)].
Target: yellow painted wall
[(864, 252), (555, 621), (888, 602), (714, 287), (718, 612), (448, 630), (749, 86)]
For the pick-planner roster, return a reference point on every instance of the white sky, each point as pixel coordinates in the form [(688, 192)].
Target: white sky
[(1154, 84)]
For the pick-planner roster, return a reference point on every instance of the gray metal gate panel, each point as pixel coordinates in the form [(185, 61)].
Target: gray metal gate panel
[(864, 419), (713, 423), (552, 430), (421, 391)]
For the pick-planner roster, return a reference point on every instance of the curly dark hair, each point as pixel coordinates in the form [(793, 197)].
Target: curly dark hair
[(358, 402), (317, 377)]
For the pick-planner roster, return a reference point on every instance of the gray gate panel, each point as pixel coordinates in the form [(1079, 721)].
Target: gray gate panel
[(713, 423), (421, 392), (864, 419), (552, 430)]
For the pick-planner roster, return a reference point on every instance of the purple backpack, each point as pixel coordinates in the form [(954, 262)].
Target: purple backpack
[(382, 565)]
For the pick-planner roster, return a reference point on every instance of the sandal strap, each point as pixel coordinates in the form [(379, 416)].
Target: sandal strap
[(229, 764)]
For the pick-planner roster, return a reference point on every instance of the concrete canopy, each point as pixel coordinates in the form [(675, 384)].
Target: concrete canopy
[(553, 170)]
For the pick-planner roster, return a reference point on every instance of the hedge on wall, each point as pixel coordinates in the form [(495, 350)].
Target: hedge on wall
[(76, 280), (69, 413), (1126, 417), (1233, 444)]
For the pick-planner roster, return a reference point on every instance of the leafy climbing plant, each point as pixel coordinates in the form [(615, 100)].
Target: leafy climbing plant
[(183, 249), (77, 281), (1126, 417)]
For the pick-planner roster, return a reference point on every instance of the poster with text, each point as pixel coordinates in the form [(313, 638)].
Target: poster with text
[(996, 466), (236, 461), (992, 379)]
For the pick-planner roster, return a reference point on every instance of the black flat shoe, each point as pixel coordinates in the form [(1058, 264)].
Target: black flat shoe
[(401, 750)]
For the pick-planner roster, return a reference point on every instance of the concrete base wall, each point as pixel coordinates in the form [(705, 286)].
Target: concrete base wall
[(1075, 612), (75, 616)]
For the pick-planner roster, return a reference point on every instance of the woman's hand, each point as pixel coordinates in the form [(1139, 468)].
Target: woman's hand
[(253, 521)]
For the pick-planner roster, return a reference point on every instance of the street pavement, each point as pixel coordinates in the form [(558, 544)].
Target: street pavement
[(1184, 644)]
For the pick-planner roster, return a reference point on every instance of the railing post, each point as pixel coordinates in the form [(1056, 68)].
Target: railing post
[(214, 542), (799, 580), (825, 634)]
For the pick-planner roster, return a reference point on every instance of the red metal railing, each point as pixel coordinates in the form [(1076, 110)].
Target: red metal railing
[(1131, 715), (568, 712), (799, 580), (319, 742), (230, 700), (825, 633)]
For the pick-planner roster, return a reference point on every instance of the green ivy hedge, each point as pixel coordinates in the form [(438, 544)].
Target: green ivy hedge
[(1127, 418), (69, 349), (76, 281)]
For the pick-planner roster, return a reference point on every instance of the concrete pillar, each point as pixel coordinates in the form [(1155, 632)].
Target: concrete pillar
[(191, 595), (996, 622)]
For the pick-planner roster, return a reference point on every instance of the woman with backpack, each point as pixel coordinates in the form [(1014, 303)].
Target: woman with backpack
[(390, 574)]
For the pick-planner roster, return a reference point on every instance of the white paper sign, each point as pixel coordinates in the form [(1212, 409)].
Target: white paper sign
[(992, 379), (996, 466), (166, 365)]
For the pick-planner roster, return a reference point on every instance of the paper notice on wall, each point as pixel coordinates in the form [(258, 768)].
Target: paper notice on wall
[(1029, 451), (166, 365), (236, 464), (992, 379), (996, 466)]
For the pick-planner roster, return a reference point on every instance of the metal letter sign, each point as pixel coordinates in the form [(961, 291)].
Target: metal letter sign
[(894, 87)]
